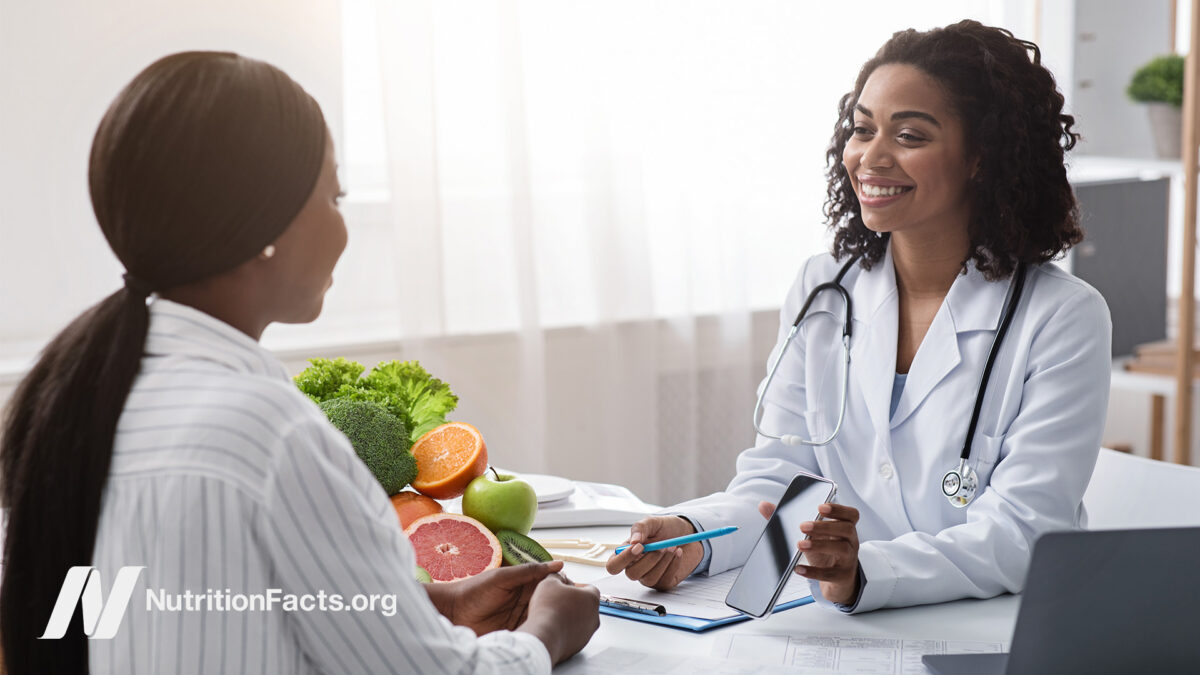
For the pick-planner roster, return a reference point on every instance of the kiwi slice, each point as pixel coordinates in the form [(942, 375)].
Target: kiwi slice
[(518, 549), (421, 575)]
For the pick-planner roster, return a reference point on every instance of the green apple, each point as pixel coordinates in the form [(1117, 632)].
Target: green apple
[(505, 503)]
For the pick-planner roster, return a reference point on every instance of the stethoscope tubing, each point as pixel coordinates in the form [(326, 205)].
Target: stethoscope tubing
[(1015, 290), (789, 439), (1010, 308), (847, 329)]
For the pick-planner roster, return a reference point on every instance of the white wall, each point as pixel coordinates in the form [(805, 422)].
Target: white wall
[(52, 98)]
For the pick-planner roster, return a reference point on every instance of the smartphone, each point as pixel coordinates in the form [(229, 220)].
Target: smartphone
[(771, 562)]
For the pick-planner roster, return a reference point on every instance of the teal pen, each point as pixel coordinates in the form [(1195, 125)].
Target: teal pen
[(680, 541)]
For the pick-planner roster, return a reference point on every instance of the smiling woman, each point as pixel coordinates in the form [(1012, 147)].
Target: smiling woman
[(983, 142), (947, 196)]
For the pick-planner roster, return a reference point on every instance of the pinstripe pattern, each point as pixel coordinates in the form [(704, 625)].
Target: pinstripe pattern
[(225, 477)]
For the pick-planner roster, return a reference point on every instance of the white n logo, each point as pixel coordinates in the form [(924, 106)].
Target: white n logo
[(100, 619)]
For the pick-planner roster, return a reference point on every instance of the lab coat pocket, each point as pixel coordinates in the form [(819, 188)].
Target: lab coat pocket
[(815, 421), (985, 453)]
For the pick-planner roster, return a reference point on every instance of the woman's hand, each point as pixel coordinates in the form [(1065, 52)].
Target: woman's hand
[(563, 616), (493, 600), (658, 569), (831, 551)]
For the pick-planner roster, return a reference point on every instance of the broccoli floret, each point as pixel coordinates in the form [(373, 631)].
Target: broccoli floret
[(380, 439), (390, 402)]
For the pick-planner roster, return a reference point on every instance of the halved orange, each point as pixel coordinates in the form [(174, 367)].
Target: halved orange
[(448, 458), (410, 506)]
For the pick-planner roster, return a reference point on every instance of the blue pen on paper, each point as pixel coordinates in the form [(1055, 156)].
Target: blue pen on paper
[(680, 541)]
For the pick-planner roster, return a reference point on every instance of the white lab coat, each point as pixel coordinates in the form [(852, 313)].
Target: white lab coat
[(1035, 446)]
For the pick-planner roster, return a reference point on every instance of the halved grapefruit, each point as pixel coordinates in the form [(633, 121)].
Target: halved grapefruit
[(450, 546)]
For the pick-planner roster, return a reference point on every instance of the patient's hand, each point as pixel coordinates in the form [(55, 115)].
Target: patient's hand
[(497, 599), (658, 569)]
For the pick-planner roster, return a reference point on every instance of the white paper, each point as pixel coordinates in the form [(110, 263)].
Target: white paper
[(620, 661), (699, 596), (888, 656)]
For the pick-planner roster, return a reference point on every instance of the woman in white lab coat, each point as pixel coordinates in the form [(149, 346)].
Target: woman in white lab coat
[(946, 173)]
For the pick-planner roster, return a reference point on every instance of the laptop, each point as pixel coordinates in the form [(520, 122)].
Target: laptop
[(1107, 601)]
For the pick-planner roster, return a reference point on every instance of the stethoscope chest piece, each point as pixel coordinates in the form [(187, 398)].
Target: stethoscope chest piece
[(960, 484)]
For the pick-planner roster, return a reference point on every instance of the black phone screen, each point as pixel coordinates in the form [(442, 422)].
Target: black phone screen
[(769, 566)]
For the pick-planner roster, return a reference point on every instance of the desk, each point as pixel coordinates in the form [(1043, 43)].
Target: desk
[(978, 620)]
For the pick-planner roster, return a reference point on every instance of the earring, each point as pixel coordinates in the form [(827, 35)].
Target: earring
[(268, 251)]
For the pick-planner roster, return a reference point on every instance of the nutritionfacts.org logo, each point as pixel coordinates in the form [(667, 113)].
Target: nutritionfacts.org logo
[(101, 618)]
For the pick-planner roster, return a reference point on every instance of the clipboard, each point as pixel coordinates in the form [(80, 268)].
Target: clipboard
[(700, 593), (691, 623)]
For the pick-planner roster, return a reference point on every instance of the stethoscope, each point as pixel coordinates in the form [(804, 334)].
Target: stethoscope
[(960, 483)]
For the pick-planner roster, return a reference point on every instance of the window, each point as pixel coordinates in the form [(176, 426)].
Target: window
[(647, 159)]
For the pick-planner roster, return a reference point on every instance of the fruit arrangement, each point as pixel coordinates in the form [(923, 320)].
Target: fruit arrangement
[(395, 418), (498, 509)]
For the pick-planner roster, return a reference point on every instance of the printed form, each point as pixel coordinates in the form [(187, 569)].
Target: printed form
[(890, 656), (621, 661)]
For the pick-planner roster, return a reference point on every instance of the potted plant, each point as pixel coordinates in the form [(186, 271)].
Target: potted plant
[(1159, 84)]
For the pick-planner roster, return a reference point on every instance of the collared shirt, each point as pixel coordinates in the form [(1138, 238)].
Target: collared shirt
[(226, 481)]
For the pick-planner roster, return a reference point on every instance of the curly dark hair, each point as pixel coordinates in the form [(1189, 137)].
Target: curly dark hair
[(1022, 207)]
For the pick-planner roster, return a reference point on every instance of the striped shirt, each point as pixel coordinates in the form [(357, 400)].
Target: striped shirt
[(226, 480)]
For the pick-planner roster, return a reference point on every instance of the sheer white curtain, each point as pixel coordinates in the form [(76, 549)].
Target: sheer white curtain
[(594, 208), (580, 214)]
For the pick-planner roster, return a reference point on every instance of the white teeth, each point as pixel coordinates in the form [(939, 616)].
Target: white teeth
[(877, 191)]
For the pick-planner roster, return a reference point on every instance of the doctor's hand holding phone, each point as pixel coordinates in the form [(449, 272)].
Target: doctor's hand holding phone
[(831, 546)]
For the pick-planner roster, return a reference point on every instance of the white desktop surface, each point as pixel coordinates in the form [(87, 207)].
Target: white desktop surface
[(975, 620)]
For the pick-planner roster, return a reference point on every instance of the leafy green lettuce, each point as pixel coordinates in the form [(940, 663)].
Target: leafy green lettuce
[(427, 398), (324, 378), (403, 388)]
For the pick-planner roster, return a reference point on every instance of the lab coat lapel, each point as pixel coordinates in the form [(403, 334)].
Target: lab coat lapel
[(873, 357), (936, 358), (972, 304)]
